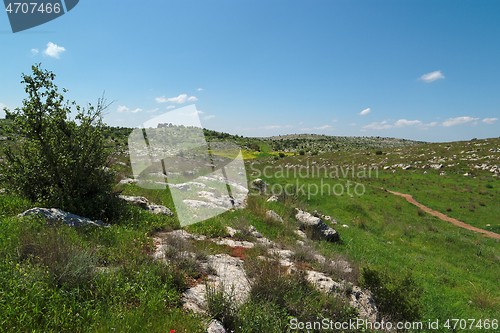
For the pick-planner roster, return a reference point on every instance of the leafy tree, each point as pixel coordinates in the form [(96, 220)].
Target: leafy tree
[(58, 161)]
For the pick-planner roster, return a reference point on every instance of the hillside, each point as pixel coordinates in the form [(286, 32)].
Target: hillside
[(320, 236)]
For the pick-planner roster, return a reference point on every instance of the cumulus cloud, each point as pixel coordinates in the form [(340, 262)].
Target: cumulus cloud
[(53, 50), (404, 123), (384, 125), (181, 99), (432, 76), (489, 121), (316, 128), (378, 125), (459, 121), (123, 108), (365, 112)]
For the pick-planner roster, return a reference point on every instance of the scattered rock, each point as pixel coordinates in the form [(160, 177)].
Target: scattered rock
[(253, 231), (234, 243), (300, 233), (359, 299), (57, 215), (128, 181), (363, 301), (199, 204), (138, 201), (259, 185), (319, 229), (231, 231), (215, 327), (273, 216), (229, 275), (273, 198), (145, 204)]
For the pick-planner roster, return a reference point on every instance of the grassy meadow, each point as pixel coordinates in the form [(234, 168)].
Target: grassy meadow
[(59, 279)]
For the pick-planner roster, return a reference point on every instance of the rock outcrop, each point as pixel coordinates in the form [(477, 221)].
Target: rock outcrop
[(54, 215), (145, 204), (318, 228)]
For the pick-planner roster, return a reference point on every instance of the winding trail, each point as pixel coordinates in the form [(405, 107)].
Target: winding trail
[(446, 218)]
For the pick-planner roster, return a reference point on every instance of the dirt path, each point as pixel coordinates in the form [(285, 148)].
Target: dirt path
[(446, 218)]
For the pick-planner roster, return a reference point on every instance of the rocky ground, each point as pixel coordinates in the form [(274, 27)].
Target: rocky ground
[(228, 271)]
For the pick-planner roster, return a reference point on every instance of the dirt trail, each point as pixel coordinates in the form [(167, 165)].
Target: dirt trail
[(446, 218)]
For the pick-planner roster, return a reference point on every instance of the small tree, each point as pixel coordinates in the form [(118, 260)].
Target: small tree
[(57, 161)]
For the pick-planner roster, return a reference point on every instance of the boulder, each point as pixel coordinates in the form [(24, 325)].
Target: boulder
[(259, 185), (273, 216), (145, 204), (57, 215), (273, 198), (215, 326), (315, 224)]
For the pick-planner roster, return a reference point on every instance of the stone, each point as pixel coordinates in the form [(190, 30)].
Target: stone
[(253, 231), (273, 216), (273, 198), (57, 215), (215, 326), (160, 210), (259, 185), (319, 229), (145, 204)]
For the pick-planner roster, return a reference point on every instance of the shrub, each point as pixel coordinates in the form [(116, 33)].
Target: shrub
[(399, 299), (57, 161), (281, 155)]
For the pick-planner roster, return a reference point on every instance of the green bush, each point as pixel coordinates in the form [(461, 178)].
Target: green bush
[(57, 161), (398, 299)]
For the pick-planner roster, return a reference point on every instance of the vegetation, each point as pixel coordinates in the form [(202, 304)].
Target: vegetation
[(61, 279), (59, 162)]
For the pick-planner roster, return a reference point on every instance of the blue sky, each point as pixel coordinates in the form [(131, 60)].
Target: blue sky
[(426, 70)]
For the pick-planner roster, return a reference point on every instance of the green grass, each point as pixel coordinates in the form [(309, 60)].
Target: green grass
[(456, 268)]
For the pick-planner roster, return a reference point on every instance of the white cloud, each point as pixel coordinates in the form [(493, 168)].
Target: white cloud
[(34, 52), (432, 76), (404, 123), (365, 112), (322, 127), (123, 108), (316, 128), (379, 125), (200, 89), (208, 117), (383, 125), (181, 99), (458, 121), (489, 121), (53, 50)]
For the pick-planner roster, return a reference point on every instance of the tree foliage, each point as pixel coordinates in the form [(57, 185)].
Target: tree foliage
[(58, 161)]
